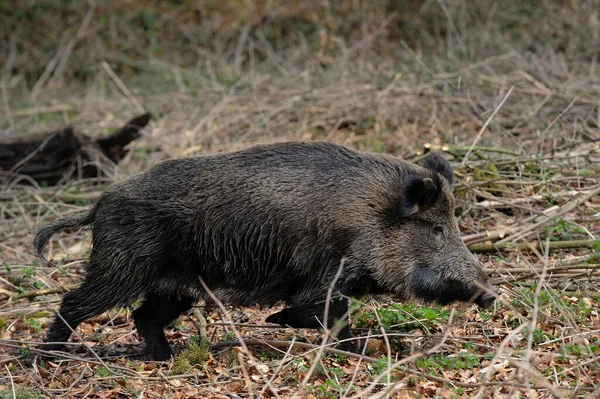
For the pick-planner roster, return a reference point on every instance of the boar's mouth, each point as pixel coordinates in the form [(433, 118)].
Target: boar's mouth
[(429, 285), (486, 298)]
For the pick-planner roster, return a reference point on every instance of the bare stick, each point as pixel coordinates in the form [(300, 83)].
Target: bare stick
[(388, 348), (536, 301), (237, 334), (279, 367), (285, 344), (122, 86), (202, 324), (356, 368), (12, 383), (485, 125), (326, 335)]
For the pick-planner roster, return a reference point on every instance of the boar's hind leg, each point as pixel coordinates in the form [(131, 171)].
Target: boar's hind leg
[(85, 302), (153, 316), (311, 316)]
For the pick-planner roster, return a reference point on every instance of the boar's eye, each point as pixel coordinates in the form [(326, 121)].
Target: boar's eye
[(438, 229)]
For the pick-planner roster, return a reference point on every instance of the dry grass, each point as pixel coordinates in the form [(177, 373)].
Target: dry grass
[(513, 104)]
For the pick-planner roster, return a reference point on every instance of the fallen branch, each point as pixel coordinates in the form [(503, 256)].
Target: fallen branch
[(570, 291), (499, 203), (528, 246), (458, 151), (528, 273), (493, 235), (46, 291), (569, 206)]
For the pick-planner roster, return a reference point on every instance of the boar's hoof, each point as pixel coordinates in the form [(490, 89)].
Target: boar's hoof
[(277, 318), (160, 353), (51, 348), (348, 346)]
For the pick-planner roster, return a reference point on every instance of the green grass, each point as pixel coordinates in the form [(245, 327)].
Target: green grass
[(329, 389), (102, 372), (563, 230), (380, 366), (583, 351), (443, 362), (539, 336), (404, 316), (552, 305), (33, 324)]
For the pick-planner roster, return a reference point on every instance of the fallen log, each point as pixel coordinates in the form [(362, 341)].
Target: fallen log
[(49, 157)]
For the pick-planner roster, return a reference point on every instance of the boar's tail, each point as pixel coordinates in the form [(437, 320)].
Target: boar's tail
[(70, 222)]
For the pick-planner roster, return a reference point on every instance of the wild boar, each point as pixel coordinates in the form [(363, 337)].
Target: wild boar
[(266, 224)]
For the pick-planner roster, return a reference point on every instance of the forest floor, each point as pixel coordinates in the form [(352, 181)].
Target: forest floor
[(515, 108)]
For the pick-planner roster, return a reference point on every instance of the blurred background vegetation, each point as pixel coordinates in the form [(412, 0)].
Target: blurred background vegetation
[(304, 35), (217, 72)]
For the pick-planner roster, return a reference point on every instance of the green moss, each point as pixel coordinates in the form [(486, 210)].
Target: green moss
[(20, 393), (194, 355), (489, 173)]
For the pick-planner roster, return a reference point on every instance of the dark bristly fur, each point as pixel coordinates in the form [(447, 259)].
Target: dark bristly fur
[(266, 224)]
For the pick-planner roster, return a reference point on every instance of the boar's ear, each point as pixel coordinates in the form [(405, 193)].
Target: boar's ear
[(434, 161), (420, 192)]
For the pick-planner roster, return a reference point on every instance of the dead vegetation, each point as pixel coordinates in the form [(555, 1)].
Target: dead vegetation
[(509, 91)]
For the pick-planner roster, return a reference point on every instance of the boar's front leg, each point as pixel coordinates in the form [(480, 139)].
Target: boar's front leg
[(153, 316), (311, 315)]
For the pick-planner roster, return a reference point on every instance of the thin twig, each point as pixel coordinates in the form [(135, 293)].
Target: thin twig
[(285, 344), (237, 333), (485, 125), (529, 246)]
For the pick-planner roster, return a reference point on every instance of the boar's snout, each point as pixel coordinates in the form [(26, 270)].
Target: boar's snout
[(487, 297)]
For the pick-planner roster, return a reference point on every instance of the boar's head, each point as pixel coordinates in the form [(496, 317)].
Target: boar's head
[(421, 254)]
